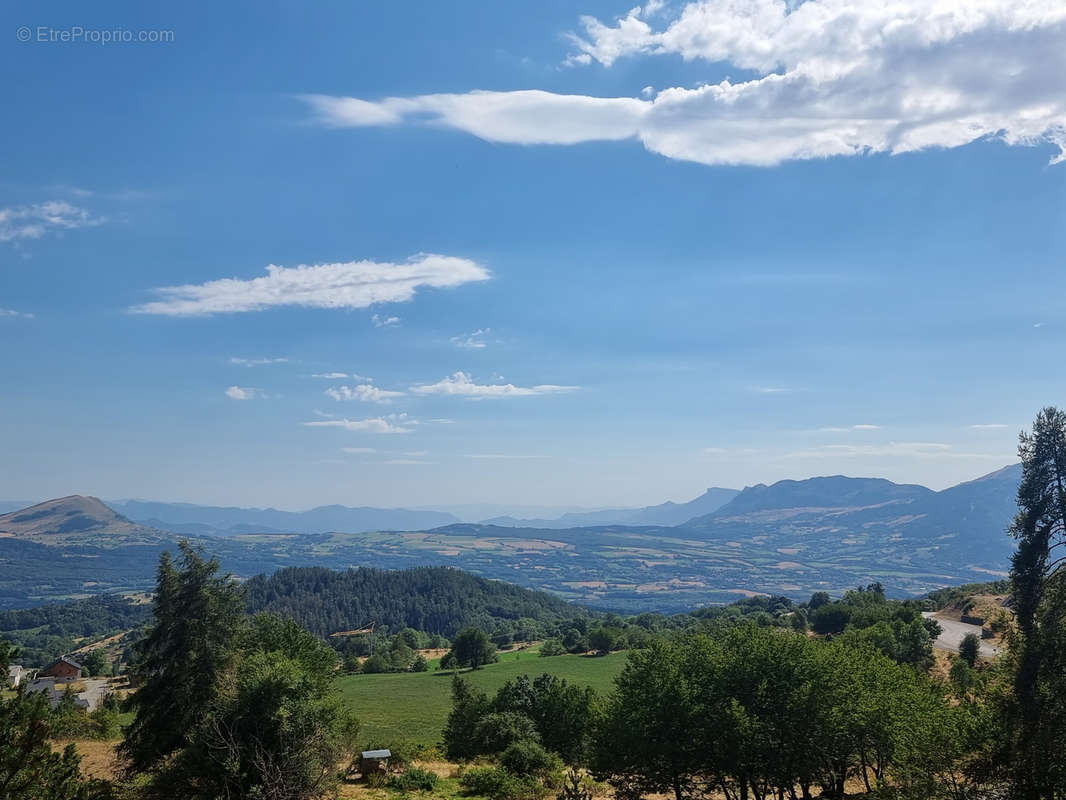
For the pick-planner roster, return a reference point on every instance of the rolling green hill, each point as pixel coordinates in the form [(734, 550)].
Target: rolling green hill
[(414, 706)]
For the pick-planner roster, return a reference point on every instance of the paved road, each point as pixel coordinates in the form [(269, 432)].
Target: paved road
[(954, 632), (95, 689)]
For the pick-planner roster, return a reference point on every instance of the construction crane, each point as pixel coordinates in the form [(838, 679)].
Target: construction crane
[(366, 630)]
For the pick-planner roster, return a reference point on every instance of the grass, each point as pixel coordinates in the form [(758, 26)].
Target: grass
[(414, 706)]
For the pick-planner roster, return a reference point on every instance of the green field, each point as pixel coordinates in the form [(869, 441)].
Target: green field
[(413, 706)]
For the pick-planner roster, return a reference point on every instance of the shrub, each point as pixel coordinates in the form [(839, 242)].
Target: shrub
[(376, 664), (497, 783), (552, 647), (419, 664), (414, 779), (527, 757), (498, 731)]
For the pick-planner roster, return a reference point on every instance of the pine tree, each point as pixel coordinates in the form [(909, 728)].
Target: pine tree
[(1038, 765), (200, 621)]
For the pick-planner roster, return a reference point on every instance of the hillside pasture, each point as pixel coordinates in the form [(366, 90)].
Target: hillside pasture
[(413, 706)]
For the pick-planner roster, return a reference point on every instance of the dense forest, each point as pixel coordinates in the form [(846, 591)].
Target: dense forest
[(434, 600)]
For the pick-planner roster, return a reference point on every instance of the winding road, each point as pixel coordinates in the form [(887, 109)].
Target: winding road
[(953, 633)]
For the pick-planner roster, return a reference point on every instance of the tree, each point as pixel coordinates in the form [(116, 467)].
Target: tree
[(552, 647), (818, 599), (199, 623), (29, 768), (419, 664), (605, 639), (469, 705), (1039, 716), (94, 662), (830, 618), (275, 729), (969, 647), (472, 648), (561, 712), (644, 741)]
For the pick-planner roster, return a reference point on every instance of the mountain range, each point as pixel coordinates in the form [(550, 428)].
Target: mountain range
[(791, 537), (668, 513)]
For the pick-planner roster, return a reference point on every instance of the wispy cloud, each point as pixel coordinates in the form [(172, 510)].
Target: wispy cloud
[(460, 384), (830, 78), (393, 423), (359, 450), (10, 313), (244, 393), (340, 375), (354, 284), (257, 362), (770, 390), (366, 392), (502, 456), (384, 322), (404, 461), (849, 428), (988, 426), (472, 341), (41, 219)]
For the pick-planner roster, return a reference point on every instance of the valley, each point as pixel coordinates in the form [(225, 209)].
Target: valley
[(791, 538)]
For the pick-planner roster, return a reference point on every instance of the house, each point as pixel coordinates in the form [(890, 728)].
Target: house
[(15, 673), (374, 761), (63, 669), (47, 686)]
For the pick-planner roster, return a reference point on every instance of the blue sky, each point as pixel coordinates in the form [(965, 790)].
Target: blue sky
[(654, 254)]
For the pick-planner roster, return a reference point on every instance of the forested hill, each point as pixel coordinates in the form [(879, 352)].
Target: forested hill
[(431, 599)]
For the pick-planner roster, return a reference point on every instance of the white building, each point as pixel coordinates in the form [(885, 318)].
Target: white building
[(15, 674)]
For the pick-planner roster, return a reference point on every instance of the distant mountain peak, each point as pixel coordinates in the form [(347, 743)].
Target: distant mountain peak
[(828, 491)]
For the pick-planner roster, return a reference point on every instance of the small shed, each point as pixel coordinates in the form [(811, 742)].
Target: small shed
[(15, 674), (374, 761), (62, 668)]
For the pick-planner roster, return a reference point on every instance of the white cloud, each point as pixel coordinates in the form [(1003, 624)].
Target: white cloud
[(257, 362), (10, 313), (460, 384), (471, 341), (770, 390), (366, 392), (354, 284), (40, 219), (384, 322), (830, 78), (393, 423), (338, 375), (988, 426), (243, 393), (443, 421), (359, 449), (404, 461)]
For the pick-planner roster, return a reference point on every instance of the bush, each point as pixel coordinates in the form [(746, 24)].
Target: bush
[(498, 731), (419, 664), (376, 664), (527, 757), (552, 647), (414, 779), (497, 783)]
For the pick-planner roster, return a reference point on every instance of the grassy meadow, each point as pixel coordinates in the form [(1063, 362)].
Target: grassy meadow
[(413, 706)]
